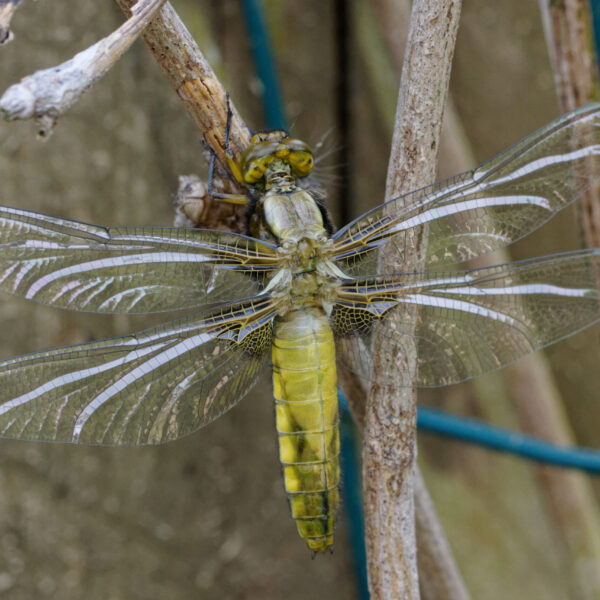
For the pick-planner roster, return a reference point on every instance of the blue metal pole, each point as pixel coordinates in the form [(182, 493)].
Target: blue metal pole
[(264, 64), (504, 440)]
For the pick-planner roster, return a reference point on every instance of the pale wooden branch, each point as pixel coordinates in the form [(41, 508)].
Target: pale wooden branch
[(389, 448), (205, 100), (46, 94), (7, 10), (567, 27), (195, 83), (568, 36), (438, 573), (530, 383)]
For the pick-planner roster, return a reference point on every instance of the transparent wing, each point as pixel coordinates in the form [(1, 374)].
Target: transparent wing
[(147, 388), (128, 270), (487, 208), (469, 322)]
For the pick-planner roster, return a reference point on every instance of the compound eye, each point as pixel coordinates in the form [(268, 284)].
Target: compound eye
[(255, 169), (301, 162)]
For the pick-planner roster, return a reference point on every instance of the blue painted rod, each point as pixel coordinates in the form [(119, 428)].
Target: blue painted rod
[(264, 64), (505, 440)]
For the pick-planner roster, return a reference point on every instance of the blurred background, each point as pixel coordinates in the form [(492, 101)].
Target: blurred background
[(207, 516)]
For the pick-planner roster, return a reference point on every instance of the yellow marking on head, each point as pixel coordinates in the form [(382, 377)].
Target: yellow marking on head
[(263, 148)]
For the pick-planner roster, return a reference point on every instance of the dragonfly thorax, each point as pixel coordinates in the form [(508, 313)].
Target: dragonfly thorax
[(308, 288), (290, 217)]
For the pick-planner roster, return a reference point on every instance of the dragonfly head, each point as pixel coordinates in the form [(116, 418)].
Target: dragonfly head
[(274, 154)]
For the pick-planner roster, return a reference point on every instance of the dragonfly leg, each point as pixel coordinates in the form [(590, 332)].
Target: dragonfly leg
[(228, 126), (229, 198), (234, 166)]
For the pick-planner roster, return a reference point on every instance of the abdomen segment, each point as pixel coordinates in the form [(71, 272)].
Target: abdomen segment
[(305, 390)]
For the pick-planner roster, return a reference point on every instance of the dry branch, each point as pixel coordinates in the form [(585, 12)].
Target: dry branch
[(205, 100), (567, 27), (529, 381), (47, 94), (389, 450), (194, 81), (438, 573), (7, 10), (576, 515)]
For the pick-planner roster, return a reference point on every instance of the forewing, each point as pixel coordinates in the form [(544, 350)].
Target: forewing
[(151, 387), (469, 322), (487, 208), (126, 270)]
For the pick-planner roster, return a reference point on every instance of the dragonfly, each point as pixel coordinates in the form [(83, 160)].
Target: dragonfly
[(295, 295)]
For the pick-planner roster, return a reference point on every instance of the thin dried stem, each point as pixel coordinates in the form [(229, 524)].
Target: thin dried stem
[(438, 573), (7, 10), (567, 26), (195, 83), (576, 515), (46, 94), (205, 100), (389, 449)]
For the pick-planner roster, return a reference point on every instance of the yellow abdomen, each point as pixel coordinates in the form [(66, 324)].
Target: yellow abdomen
[(305, 390)]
